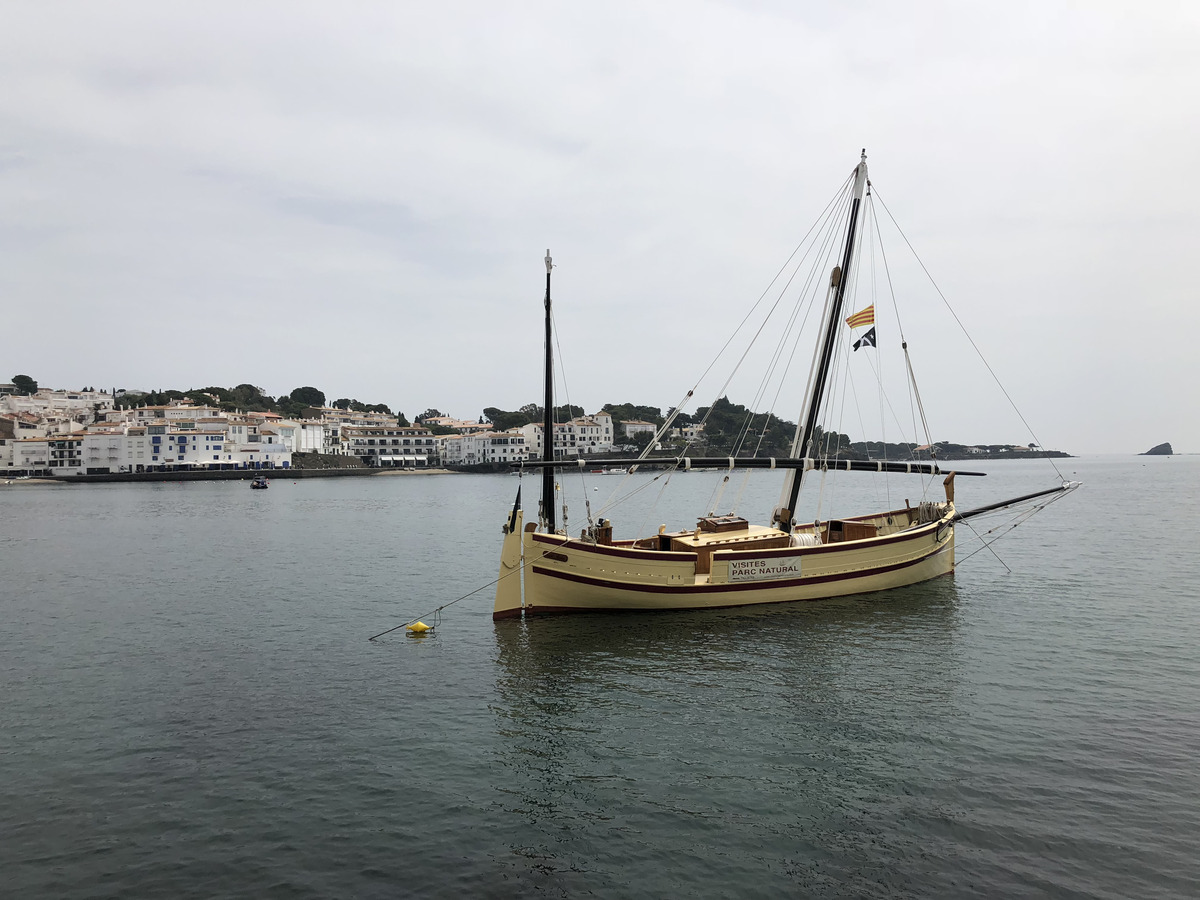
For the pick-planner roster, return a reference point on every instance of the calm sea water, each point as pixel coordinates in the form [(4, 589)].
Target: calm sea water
[(191, 707)]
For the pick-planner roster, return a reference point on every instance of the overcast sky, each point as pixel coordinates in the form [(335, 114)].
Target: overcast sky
[(358, 196)]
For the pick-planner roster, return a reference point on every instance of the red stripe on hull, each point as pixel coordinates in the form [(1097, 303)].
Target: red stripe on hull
[(609, 610), (720, 588)]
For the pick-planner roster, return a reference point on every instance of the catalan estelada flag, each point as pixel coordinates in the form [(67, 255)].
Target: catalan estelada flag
[(862, 317)]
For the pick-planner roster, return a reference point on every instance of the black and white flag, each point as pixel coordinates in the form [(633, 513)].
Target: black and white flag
[(867, 340)]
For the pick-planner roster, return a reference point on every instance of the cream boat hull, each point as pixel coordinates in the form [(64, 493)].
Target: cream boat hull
[(562, 575)]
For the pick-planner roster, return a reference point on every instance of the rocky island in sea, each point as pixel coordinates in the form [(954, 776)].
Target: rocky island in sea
[(1159, 450)]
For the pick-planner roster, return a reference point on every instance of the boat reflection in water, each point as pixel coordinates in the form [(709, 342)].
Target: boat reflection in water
[(732, 737)]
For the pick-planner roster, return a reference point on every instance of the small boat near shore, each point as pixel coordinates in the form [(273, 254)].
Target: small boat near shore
[(260, 483), (724, 560)]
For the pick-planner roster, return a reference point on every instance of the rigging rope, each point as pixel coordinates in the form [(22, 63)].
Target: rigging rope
[(830, 213), (1020, 520), (562, 367), (914, 393), (806, 302), (881, 395), (967, 334), (915, 402)]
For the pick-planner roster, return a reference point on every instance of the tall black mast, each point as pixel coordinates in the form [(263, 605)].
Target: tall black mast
[(548, 500), (839, 280)]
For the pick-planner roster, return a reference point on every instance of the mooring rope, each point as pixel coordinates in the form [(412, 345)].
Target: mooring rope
[(437, 613)]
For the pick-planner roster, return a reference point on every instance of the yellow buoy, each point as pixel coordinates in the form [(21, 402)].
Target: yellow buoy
[(418, 628)]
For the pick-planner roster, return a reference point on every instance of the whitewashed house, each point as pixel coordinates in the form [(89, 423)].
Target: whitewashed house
[(31, 456), (501, 447), (582, 436), (302, 436), (637, 426), (79, 406)]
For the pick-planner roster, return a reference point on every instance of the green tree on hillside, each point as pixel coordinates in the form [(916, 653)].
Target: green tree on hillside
[(252, 399), (502, 420), (732, 428), (24, 384), (680, 420), (307, 396), (630, 412), (567, 412), (219, 396)]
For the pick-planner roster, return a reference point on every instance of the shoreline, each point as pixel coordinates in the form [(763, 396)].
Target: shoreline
[(218, 475)]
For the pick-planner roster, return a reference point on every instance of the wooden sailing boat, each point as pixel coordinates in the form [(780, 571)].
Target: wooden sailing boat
[(725, 561)]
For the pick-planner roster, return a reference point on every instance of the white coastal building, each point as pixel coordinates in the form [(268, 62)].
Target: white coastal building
[(637, 426), (31, 456), (485, 447), (183, 410), (164, 448), (155, 447), (302, 436), (397, 446), (689, 433), (462, 426), (333, 416), (83, 407), (582, 436)]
